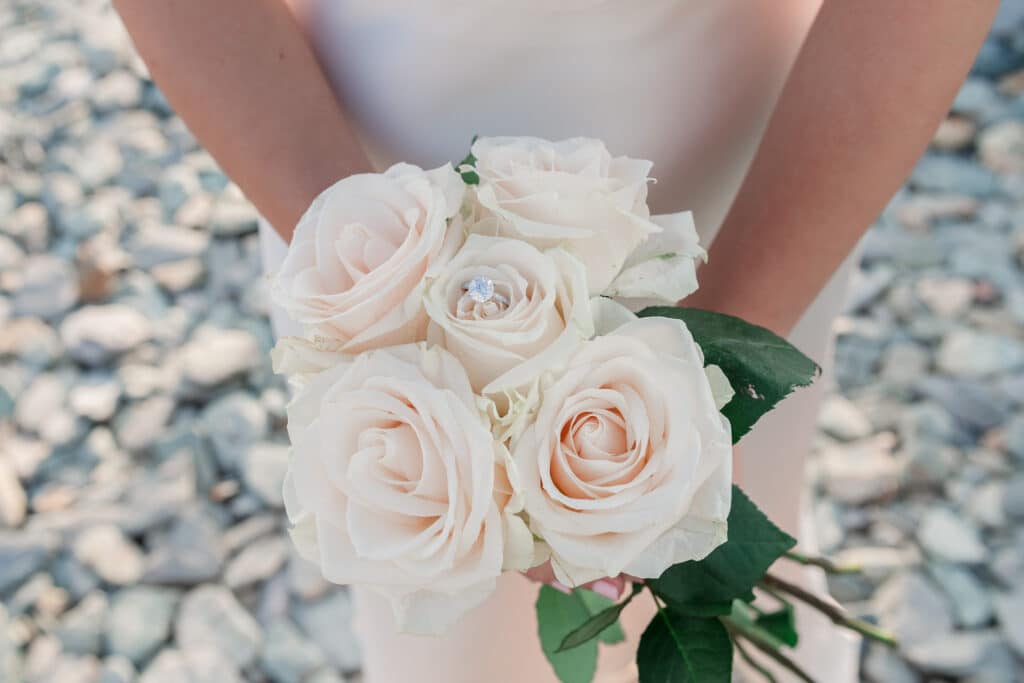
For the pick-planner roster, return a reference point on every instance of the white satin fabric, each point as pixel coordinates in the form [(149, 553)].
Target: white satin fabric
[(689, 84)]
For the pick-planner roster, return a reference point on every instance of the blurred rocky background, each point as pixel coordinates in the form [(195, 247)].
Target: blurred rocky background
[(141, 429)]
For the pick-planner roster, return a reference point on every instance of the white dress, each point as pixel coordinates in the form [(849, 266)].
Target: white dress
[(689, 84)]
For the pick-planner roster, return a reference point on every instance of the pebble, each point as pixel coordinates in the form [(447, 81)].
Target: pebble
[(1010, 611), (949, 536), (190, 554), (233, 423), (861, 472), (96, 398), (257, 562), (140, 622), (913, 609), (13, 500), (105, 549), (21, 555), (327, 622), (117, 669), (210, 615), (263, 469), (1001, 147), (140, 425), (963, 655), (49, 287), (93, 335), (80, 630), (970, 353), (972, 607), (288, 657), (841, 418), (215, 356)]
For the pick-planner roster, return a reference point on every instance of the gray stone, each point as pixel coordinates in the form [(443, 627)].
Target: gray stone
[(962, 655), (13, 501), (953, 174), (117, 669), (841, 418), (1001, 147), (988, 502), (95, 398), (208, 664), (288, 657), (970, 353), (210, 615), (215, 356), (233, 218), (326, 676), (972, 607), (37, 405), (913, 609), (190, 554), (974, 404), (884, 665), (105, 549), (158, 244), (263, 469), (1013, 498), (141, 424), (140, 622), (49, 287), (327, 622), (929, 462), (948, 536), (81, 628), (10, 657), (233, 423), (1015, 436), (1010, 610), (167, 667), (257, 562), (861, 472), (23, 554), (95, 334)]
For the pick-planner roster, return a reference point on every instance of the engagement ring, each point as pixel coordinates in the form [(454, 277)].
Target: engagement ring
[(481, 290)]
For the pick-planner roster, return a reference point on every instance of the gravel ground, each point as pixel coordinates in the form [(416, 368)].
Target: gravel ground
[(141, 430)]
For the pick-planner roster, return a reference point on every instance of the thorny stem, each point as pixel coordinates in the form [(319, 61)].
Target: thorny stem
[(836, 614), (757, 640), (822, 562), (749, 659)]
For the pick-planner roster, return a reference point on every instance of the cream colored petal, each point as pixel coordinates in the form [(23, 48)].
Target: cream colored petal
[(721, 389)]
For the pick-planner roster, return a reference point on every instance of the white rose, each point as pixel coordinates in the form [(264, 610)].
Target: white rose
[(574, 194), (392, 484), (628, 465), (354, 271), (537, 315)]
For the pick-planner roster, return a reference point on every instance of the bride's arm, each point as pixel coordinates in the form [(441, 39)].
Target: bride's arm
[(868, 89), (244, 78)]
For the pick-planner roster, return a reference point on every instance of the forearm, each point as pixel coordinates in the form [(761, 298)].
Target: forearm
[(243, 77), (868, 89)]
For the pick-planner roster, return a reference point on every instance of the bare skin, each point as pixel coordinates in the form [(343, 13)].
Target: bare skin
[(868, 89)]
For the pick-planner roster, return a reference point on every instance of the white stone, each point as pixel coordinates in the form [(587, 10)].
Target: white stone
[(105, 549), (211, 616), (95, 334)]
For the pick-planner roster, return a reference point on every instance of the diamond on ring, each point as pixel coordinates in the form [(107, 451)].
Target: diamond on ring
[(481, 290)]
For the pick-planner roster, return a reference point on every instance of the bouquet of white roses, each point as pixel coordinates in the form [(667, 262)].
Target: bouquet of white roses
[(475, 395)]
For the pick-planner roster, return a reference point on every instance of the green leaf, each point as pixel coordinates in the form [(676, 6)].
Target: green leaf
[(604, 624), (781, 624), (558, 615), (745, 617), (762, 367), (469, 177), (680, 649), (708, 587)]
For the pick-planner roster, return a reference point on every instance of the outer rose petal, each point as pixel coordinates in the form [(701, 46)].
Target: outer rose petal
[(721, 389), (663, 268), (571, 193)]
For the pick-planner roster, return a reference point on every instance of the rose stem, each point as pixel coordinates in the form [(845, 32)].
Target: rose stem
[(823, 562), (749, 659), (836, 614), (739, 630)]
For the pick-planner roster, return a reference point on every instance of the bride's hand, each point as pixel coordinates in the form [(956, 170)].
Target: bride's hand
[(611, 588)]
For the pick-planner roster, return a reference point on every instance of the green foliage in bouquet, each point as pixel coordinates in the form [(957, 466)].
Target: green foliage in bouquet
[(706, 609)]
